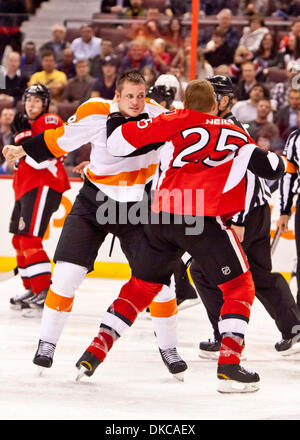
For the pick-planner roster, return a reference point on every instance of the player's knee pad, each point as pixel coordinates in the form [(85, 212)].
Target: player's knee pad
[(140, 293), (30, 242), (238, 294), (66, 278), (16, 242)]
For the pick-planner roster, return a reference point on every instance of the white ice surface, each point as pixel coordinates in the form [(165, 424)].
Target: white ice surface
[(133, 383)]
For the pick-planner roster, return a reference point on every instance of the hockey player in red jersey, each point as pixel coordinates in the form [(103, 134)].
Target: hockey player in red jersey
[(203, 156), (38, 189)]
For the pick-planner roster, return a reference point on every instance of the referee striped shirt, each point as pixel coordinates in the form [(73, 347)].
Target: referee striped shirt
[(257, 191), (289, 184)]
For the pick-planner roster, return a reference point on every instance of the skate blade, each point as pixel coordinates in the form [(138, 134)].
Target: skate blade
[(210, 355), (81, 372), (40, 371), (15, 306), (188, 303), (293, 350), (232, 386), (31, 313), (179, 376), (214, 355)]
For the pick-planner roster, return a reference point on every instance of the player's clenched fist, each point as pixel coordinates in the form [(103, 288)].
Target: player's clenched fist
[(12, 153)]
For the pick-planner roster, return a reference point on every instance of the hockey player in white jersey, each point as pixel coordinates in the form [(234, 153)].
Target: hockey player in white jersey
[(107, 179)]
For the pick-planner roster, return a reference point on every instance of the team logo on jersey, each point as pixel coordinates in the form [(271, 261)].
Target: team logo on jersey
[(72, 119), (51, 119), (21, 224), (226, 270)]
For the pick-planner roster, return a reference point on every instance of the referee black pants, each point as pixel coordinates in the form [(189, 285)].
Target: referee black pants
[(271, 288)]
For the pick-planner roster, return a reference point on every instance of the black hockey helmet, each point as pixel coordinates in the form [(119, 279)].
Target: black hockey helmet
[(41, 91), (222, 85), (162, 93)]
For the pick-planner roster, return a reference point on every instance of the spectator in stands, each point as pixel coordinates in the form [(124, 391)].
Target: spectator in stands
[(67, 64), (106, 50), (242, 55), (137, 56), (217, 51), (248, 79), (30, 61), (246, 110), (58, 43), (114, 6), (153, 29), (105, 85), (50, 76), (214, 7), (222, 69), (292, 51), (135, 9), (87, 46), (232, 36), (287, 8), (10, 26), (280, 91), (177, 8), (261, 125), (6, 138), (174, 35), (183, 59), (253, 33), (150, 75), (251, 7), (286, 117), (15, 82), (6, 118), (267, 55), (295, 30), (78, 89), (161, 57)]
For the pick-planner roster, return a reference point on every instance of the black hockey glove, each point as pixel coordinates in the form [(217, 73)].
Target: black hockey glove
[(21, 128)]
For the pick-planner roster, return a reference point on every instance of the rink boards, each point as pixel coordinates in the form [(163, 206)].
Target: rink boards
[(116, 266)]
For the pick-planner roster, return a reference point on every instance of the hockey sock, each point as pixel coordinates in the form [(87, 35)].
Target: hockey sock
[(163, 311), (238, 295), (37, 263), (66, 279), (21, 261), (134, 297)]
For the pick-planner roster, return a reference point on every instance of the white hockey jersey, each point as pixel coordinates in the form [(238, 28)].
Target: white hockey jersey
[(123, 179)]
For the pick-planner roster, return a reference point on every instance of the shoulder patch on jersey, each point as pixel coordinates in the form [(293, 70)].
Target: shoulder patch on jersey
[(51, 119)]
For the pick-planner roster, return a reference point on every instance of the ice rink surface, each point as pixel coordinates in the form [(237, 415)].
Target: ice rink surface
[(133, 383)]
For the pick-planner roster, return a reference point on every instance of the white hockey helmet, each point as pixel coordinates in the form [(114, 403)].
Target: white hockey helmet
[(169, 81)]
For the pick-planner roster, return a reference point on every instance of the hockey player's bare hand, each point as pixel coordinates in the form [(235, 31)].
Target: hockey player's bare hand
[(80, 167), (240, 231), (12, 153), (283, 223)]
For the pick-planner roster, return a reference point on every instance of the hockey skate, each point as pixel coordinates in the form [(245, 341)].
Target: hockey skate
[(233, 378), (20, 302), (44, 355), (35, 304), (288, 347), (87, 365), (173, 362), (211, 349), (186, 303)]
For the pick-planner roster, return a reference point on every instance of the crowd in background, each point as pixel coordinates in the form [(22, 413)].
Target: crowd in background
[(263, 68)]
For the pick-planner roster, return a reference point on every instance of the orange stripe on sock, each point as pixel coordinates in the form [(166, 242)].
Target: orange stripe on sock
[(58, 302), (163, 309)]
